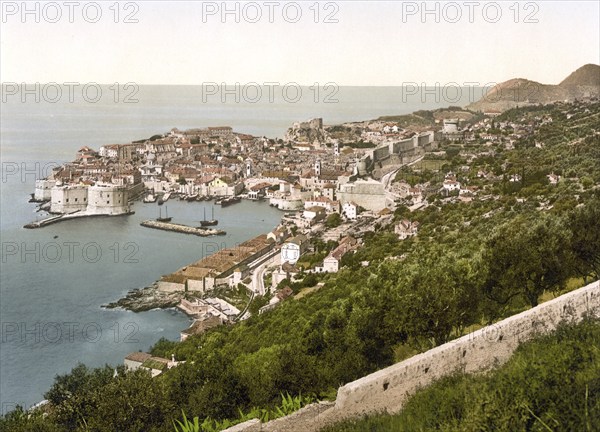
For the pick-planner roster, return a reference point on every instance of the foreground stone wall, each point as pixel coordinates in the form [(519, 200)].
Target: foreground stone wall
[(481, 350), (484, 349)]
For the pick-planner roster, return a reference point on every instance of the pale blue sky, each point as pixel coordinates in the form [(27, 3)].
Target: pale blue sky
[(374, 43)]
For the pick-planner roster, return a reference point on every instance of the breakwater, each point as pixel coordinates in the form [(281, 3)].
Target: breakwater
[(184, 229), (75, 215)]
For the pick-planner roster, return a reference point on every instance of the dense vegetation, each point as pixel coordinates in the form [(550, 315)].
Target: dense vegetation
[(471, 263), (550, 384)]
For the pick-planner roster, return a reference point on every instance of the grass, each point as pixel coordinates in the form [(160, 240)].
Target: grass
[(429, 164), (403, 352), (306, 291), (288, 405), (239, 296)]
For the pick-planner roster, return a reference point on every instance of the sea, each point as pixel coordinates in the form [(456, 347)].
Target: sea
[(54, 280)]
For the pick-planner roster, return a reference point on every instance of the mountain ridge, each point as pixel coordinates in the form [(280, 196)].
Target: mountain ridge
[(582, 83)]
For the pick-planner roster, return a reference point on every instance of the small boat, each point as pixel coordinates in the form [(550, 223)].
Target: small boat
[(163, 219), (230, 200), (150, 198), (211, 222), (163, 199)]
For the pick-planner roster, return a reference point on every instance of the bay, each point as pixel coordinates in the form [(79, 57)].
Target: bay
[(54, 280)]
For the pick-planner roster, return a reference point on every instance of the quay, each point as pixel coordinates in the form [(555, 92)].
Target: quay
[(185, 229), (75, 215)]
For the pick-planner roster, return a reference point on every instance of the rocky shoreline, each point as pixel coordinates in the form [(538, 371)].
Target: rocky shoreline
[(144, 299)]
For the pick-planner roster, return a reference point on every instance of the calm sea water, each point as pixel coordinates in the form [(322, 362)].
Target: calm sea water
[(54, 280)]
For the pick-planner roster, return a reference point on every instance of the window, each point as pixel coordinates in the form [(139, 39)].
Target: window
[(67, 200), (107, 202)]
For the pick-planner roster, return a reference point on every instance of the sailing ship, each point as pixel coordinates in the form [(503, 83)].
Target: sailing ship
[(163, 219), (213, 221)]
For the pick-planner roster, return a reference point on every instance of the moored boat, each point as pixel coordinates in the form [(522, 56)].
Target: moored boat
[(211, 222), (163, 199), (163, 219), (150, 198)]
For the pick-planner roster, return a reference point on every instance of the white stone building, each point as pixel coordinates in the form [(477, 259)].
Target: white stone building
[(106, 199), (43, 189), (406, 228), (293, 248), (350, 210), (68, 198), (331, 263), (451, 185)]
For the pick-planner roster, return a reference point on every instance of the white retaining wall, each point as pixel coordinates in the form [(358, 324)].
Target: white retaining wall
[(481, 350), (484, 349)]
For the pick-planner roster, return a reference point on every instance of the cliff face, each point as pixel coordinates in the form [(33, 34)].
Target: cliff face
[(584, 82)]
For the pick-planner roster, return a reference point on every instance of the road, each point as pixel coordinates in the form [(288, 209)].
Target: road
[(386, 179), (258, 283)]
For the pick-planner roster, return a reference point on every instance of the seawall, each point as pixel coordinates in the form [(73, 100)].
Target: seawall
[(184, 229), (482, 350)]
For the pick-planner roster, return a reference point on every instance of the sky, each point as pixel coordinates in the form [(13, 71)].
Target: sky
[(351, 43)]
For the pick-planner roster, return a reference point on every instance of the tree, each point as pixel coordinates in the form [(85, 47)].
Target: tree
[(163, 348), (333, 220), (21, 420), (132, 401), (525, 258), (258, 302), (71, 393), (437, 292), (584, 223)]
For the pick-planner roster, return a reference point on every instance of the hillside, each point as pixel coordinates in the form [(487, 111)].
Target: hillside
[(450, 279), (550, 381), (584, 82), (588, 75)]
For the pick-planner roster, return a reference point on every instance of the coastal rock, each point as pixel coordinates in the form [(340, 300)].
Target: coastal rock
[(139, 300)]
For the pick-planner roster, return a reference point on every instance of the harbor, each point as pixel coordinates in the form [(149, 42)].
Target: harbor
[(180, 228)]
